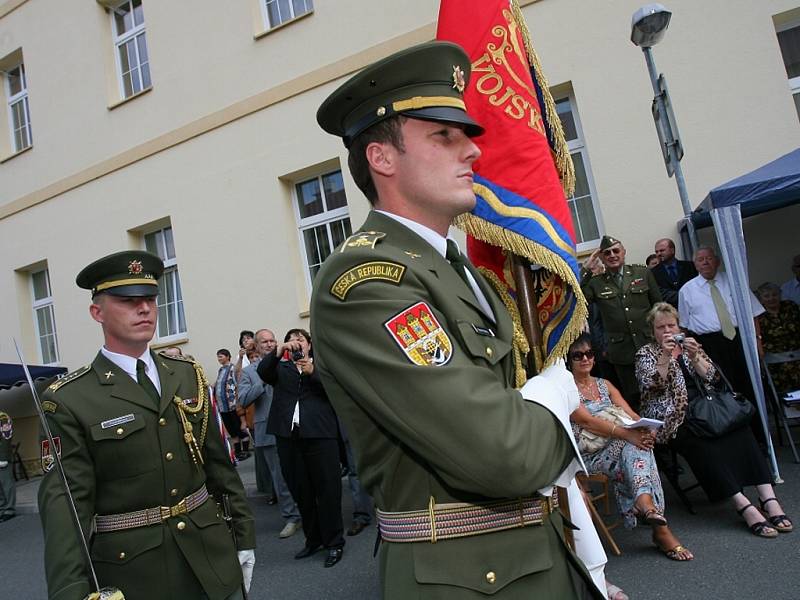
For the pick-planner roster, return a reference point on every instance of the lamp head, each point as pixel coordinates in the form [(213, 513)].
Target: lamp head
[(649, 24)]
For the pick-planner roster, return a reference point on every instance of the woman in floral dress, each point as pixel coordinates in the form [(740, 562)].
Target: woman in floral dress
[(627, 455), (780, 332)]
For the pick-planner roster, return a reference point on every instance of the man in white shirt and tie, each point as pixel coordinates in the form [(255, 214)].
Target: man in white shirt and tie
[(706, 309), (790, 290)]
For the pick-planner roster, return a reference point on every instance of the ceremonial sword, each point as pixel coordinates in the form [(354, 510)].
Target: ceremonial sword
[(98, 594)]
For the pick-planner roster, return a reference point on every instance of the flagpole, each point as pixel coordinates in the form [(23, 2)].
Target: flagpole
[(526, 303)]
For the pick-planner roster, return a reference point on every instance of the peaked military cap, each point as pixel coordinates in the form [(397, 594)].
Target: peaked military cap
[(126, 273), (426, 82), (608, 241)]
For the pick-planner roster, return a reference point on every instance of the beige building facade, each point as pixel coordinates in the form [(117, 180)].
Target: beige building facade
[(189, 129)]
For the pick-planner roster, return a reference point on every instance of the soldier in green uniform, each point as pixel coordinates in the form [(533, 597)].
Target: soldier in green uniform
[(624, 294), (143, 458), (8, 487), (415, 354)]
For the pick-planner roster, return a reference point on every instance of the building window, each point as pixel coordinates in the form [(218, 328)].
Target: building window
[(280, 11), (583, 202), (322, 217), (133, 63), (171, 317), (44, 318), (789, 41), (17, 94)]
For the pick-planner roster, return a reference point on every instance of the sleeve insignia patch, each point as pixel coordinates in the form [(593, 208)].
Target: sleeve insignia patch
[(378, 270), (363, 239), (420, 336), (48, 460), (49, 406)]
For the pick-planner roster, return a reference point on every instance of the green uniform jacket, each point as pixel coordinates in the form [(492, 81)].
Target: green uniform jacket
[(141, 463), (623, 310), (457, 432)]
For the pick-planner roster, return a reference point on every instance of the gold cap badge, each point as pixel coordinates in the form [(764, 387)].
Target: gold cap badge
[(458, 79)]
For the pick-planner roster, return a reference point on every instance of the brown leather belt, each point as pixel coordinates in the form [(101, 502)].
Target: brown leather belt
[(150, 516), (455, 520)]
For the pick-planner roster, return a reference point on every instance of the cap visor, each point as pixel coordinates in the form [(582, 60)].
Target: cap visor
[(447, 114), (133, 291)]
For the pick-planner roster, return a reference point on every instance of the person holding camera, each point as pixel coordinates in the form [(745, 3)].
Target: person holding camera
[(306, 430), (667, 369)]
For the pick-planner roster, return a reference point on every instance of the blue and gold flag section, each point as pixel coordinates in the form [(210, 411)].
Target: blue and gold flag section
[(525, 171)]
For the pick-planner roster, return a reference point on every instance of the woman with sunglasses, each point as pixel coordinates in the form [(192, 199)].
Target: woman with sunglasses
[(627, 456)]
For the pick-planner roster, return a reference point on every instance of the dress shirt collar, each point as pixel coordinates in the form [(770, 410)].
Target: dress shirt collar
[(128, 364), (438, 242)]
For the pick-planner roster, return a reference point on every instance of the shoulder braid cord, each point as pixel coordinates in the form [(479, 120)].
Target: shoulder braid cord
[(182, 410)]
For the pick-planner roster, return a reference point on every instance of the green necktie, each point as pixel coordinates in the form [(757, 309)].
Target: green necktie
[(725, 321), (457, 261), (146, 383)]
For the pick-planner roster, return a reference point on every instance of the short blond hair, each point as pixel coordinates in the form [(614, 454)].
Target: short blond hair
[(661, 308)]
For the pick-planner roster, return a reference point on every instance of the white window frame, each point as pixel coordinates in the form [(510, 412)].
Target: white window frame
[(120, 40), (45, 303), (265, 12), (170, 271), (578, 146), (794, 82), (324, 218), (20, 97)]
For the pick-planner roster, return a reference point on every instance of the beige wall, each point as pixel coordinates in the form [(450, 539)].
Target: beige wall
[(230, 122)]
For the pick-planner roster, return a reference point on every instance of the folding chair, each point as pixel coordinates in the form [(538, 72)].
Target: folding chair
[(783, 412), (667, 461), (585, 482), (18, 469)]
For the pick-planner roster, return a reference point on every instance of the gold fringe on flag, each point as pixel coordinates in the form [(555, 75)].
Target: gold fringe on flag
[(560, 150), (520, 345), (537, 254)]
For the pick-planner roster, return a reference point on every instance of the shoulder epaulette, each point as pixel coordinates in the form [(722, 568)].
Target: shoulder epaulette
[(362, 239), (638, 265), (180, 358), (69, 377)]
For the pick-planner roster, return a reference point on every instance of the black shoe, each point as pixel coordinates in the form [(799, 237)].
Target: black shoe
[(242, 455), (307, 551), (356, 528), (272, 500), (6, 517), (334, 556)]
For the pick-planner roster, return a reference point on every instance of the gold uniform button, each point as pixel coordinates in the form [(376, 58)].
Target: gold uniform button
[(626, 308), (162, 421), (489, 351), (173, 492), (181, 525), (168, 456), (491, 577), (120, 431), (121, 555)]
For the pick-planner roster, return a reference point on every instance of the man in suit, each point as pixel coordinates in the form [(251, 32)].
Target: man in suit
[(671, 274), (254, 391), (143, 458), (414, 349), (624, 294)]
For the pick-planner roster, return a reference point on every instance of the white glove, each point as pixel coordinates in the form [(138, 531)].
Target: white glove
[(558, 375), (3, 464), (247, 560)]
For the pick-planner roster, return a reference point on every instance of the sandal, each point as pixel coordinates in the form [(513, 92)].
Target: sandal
[(652, 517), (778, 521), (674, 553), (761, 528), (615, 592)]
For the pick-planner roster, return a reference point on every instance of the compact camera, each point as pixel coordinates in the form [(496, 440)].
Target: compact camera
[(297, 355), (678, 338)]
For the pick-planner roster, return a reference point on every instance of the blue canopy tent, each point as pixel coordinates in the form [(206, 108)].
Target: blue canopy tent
[(772, 186), (15, 395)]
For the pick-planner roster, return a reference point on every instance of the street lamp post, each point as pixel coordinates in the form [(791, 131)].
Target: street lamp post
[(648, 26)]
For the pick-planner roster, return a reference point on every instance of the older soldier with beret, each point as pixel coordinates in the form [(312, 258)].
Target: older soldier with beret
[(414, 349), (143, 458), (624, 294)]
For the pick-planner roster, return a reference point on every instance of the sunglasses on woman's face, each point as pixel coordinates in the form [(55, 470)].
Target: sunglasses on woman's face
[(578, 355)]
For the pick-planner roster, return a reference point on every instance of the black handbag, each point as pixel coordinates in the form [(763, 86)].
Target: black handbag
[(715, 410)]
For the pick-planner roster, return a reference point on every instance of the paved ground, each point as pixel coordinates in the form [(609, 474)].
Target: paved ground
[(729, 563)]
